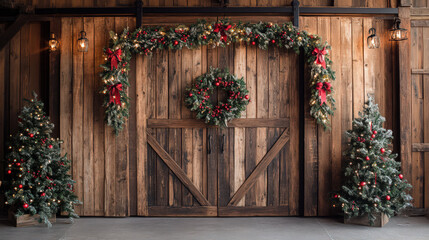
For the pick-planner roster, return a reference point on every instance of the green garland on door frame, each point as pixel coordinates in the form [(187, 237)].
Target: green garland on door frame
[(146, 40)]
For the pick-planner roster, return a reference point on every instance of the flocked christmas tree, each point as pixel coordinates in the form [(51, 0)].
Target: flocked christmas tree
[(37, 176), (373, 182)]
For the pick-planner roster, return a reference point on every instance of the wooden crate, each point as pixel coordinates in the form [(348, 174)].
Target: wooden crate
[(380, 221), (27, 220)]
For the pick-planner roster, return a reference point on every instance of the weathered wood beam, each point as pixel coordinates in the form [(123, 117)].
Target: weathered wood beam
[(420, 147), (13, 29), (239, 122), (177, 170), (262, 165), (405, 96)]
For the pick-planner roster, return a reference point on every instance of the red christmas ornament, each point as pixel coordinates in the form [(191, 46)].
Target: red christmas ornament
[(382, 150), (25, 205), (31, 135), (401, 176), (373, 136), (253, 43), (176, 42), (335, 196), (387, 197), (217, 83), (204, 37), (18, 164), (43, 194), (367, 158), (190, 94), (50, 146), (246, 97), (20, 186), (9, 171), (375, 132), (362, 184), (273, 41)]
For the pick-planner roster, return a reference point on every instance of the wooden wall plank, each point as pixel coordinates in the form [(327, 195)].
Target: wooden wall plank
[(100, 40), (54, 78), (405, 97), (324, 141), (77, 130), (187, 134), (262, 111), (109, 153), (66, 87), (357, 59), (26, 84), (175, 135), (88, 134), (426, 116), (274, 106), (14, 81), (161, 89), (239, 168), (337, 131), (132, 130), (310, 144)]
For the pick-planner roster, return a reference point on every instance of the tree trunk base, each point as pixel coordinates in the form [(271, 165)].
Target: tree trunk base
[(380, 221), (27, 219)]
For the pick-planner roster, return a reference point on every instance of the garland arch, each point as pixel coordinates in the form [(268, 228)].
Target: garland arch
[(146, 40)]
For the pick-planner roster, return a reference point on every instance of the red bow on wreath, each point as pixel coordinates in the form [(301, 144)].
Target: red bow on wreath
[(320, 56), (114, 92), (323, 88), (222, 29), (114, 57)]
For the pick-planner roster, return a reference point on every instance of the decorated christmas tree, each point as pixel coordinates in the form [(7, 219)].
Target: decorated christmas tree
[(37, 176), (373, 183)]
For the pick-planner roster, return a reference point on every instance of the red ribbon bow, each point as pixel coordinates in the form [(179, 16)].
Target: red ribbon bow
[(320, 56), (114, 92), (114, 57), (323, 88), (222, 29)]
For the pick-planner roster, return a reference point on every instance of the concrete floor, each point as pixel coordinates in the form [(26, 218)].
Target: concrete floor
[(399, 228)]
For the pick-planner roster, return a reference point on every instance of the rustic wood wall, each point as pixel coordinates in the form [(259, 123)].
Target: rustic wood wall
[(209, 3), (23, 63), (419, 36), (106, 167)]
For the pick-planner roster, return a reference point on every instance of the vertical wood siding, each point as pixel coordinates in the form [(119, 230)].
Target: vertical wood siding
[(111, 171)]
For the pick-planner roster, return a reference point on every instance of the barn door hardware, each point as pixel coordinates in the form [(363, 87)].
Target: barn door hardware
[(222, 142)]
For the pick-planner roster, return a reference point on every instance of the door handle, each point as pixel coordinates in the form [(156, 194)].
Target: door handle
[(209, 145)]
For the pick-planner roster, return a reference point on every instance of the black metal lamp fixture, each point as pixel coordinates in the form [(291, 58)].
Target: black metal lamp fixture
[(82, 42), (373, 40), (53, 43), (397, 33)]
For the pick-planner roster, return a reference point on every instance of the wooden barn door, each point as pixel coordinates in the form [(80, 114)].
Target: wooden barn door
[(251, 167)]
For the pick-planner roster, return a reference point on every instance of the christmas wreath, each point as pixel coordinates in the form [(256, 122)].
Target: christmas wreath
[(147, 39), (198, 97)]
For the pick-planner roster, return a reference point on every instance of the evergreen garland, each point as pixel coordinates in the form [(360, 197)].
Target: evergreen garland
[(198, 97), (373, 182), (37, 175), (146, 40)]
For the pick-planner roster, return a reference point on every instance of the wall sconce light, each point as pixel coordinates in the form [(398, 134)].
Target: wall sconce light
[(53, 43), (82, 42), (397, 33), (373, 40)]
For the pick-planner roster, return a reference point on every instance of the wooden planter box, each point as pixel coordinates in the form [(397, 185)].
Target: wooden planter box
[(27, 220), (380, 221)]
